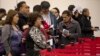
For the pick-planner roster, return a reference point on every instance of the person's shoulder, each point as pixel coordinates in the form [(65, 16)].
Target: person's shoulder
[(34, 29), (83, 17), (61, 22), (51, 14), (7, 26), (21, 15), (74, 21)]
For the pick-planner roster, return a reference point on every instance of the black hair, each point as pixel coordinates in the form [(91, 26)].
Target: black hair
[(45, 4), (37, 8), (10, 15), (71, 7), (57, 9), (33, 17), (84, 10), (19, 5), (67, 12), (2, 10)]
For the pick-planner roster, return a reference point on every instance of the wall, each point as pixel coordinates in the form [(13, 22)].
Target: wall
[(93, 5)]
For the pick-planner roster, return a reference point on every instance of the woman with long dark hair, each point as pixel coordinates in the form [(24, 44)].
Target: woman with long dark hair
[(11, 34)]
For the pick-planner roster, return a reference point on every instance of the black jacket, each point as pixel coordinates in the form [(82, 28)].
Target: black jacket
[(59, 20), (22, 20), (78, 19), (86, 26)]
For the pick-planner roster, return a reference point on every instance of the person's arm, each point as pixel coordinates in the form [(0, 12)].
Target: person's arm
[(5, 36), (25, 34), (86, 28), (78, 31), (59, 29), (35, 35)]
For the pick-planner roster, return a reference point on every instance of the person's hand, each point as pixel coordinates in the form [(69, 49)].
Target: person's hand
[(94, 29), (25, 26), (62, 45), (47, 30), (56, 40), (9, 54), (65, 32), (49, 47), (23, 40), (66, 35)]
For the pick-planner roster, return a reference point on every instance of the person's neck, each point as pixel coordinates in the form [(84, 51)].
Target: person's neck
[(22, 12), (13, 24), (68, 21), (85, 15), (37, 26), (46, 13), (58, 17)]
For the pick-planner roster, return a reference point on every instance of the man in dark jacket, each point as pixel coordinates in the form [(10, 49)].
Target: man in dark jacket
[(23, 10), (87, 29)]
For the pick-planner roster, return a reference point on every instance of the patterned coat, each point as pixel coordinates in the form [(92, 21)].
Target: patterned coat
[(38, 38)]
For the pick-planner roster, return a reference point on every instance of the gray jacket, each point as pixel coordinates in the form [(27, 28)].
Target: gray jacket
[(73, 27), (5, 36), (38, 38)]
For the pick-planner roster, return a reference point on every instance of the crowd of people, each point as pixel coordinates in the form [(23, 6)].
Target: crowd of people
[(25, 33)]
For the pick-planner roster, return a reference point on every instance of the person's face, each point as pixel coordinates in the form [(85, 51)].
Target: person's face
[(87, 13), (15, 19), (66, 18), (45, 11), (77, 14), (38, 21), (25, 8), (54, 11)]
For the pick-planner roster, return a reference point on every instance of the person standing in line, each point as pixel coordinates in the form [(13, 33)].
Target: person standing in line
[(11, 34)]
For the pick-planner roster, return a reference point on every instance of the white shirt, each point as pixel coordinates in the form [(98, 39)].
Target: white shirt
[(58, 17), (88, 18), (47, 18)]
